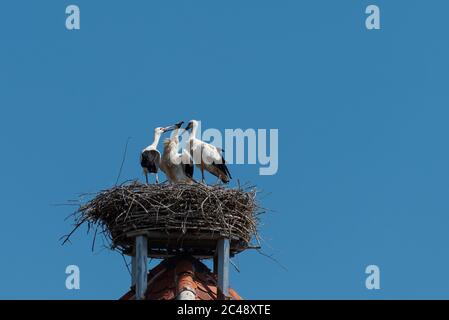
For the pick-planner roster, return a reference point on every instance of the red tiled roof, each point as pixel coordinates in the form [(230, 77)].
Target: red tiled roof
[(176, 274)]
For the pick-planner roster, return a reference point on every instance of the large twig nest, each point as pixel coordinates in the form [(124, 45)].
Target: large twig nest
[(177, 218)]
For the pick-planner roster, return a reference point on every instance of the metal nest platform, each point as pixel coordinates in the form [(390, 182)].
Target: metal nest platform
[(167, 245), (175, 219)]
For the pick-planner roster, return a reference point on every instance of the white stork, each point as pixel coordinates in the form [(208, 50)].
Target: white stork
[(206, 156), (178, 167), (150, 158)]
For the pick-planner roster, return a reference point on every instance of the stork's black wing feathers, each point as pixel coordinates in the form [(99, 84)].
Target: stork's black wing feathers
[(149, 160), (224, 169), (188, 169)]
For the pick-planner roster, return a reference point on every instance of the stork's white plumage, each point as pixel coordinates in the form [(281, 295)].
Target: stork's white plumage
[(150, 158), (206, 156), (178, 167)]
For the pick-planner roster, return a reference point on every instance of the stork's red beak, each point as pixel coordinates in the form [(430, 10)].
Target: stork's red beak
[(169, 128), (173, 127)]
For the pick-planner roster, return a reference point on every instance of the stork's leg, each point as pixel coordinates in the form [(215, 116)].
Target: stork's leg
[(146, 177), (203, 181), (202, 172), (157, 179)]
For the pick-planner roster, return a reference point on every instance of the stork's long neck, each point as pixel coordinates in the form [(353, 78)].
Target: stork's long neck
[(157, 137), (193, 133), (175, 136)]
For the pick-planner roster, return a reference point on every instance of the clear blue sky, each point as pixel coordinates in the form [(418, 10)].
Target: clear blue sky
[(362, 117)]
